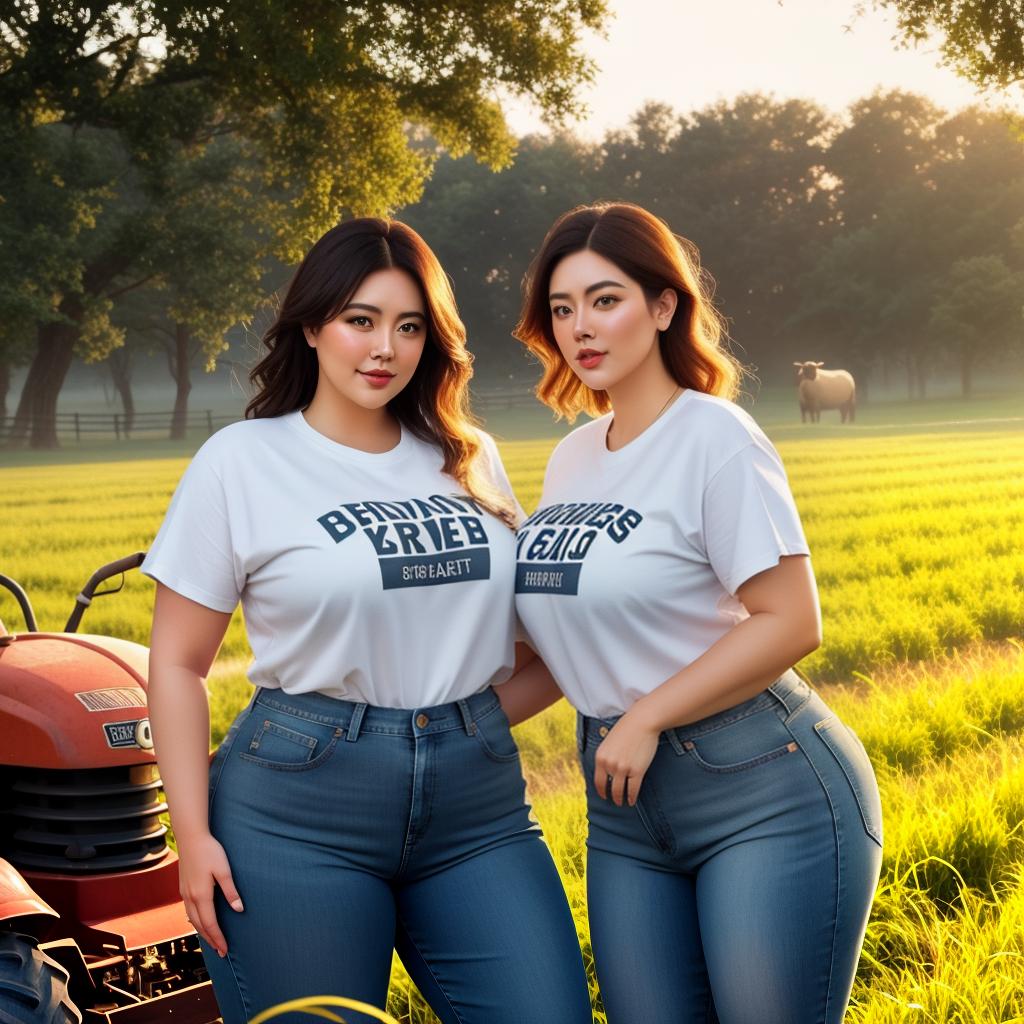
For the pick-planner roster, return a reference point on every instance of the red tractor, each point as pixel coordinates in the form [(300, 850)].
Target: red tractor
[(91, 923)]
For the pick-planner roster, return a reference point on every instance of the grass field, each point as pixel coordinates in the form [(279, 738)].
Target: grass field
[(915, 519)]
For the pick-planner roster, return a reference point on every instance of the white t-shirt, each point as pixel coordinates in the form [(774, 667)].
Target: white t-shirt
[(628, 570), (362, 576)]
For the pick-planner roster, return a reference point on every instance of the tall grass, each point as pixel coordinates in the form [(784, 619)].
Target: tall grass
[(916, 542)]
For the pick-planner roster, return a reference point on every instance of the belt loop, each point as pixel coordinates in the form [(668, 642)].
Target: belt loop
[(356, 722), (467, 717), (673, 738), (581, 732), (779, 697)]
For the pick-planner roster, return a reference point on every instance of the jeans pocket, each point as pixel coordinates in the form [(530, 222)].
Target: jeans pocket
[(849, 752), (494, 734), (287, 743), (738, 746)]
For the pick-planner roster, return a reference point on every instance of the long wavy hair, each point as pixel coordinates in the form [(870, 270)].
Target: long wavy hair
[(434, 405), (644, 248)]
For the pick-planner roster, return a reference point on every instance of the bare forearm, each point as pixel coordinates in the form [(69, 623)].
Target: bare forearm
[(180, 719), (741, 664), (528, 692)]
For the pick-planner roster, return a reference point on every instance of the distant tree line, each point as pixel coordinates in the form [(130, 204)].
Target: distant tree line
[(889, 240), (159, 161)]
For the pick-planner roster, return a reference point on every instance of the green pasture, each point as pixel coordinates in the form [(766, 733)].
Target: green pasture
[(915, 517)]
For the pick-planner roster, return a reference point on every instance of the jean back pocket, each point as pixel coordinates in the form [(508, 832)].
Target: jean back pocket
[(849, 752)]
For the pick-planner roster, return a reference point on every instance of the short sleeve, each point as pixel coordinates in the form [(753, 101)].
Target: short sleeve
[(192, 553), (497, 475), (522, 636), (749, 517)]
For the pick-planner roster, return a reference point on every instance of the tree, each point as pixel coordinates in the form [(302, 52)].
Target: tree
[(64, 255), (931, 207), (887, 144), (872, 288), (40, 233), (979, 173), (214, 241), (485, 227), (744, 180), (979, 312), (982, 40), (326, 112)]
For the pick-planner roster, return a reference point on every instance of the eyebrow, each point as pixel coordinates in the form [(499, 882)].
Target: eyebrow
[(378, 311), (592, 288)]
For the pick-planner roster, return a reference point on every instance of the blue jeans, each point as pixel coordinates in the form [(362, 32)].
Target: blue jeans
[(738, 888), (354, 830)]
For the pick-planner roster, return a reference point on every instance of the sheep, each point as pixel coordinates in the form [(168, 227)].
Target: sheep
[(825, 389)]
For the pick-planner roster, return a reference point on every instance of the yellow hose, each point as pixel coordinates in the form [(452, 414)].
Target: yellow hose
[(315, 1005)]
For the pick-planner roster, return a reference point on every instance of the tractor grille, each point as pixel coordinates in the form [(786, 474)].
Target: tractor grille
[(101, 819)]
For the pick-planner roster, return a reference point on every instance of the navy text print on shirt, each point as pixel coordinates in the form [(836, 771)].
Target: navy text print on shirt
[(419, 542), (553, 543)]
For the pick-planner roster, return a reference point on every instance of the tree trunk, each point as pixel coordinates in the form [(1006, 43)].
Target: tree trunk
[(36, 417), (120, 361), (922, 375), (966, 372), (5, 387), (861, 380), (181, 377)]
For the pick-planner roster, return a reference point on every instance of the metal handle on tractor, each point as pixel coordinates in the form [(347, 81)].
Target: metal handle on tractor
[(84, 599), (23, 601)]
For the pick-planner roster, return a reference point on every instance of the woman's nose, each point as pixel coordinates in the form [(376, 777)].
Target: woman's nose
[(381, 348), (581, 328)]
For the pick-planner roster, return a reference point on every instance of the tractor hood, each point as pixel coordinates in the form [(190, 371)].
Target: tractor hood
[(73, 701)]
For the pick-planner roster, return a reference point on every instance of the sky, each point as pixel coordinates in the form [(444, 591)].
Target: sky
[(691, 54)]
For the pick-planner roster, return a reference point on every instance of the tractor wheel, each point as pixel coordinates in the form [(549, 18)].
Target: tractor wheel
[(33, 988)]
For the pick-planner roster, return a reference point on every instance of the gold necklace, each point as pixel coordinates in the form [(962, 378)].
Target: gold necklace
[(668, 400)]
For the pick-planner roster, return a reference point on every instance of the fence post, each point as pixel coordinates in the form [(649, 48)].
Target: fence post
[(209, 423), (78, 429), (117, 426)]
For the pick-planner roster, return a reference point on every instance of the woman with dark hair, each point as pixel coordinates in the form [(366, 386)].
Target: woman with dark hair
[(370, 796), (734, 822)]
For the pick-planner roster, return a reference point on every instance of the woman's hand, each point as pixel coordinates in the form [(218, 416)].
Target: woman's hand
[(624, 756), (202, 864)]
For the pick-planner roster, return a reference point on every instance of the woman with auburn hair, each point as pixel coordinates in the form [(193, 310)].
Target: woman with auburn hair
[(734, 822), (370, 796)]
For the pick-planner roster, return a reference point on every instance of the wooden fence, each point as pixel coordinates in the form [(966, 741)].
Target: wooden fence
[(106, 426)]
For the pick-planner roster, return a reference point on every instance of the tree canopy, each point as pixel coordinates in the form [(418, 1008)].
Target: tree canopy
[(326, 100), (981, 39)]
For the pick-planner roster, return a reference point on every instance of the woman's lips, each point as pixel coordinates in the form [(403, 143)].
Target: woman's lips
[(377, 380), (588, 358)]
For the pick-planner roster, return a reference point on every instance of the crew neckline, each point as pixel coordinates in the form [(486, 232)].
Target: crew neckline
[(651, 430), (300, 425)]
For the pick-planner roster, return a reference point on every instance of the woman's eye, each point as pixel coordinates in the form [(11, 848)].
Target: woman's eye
[(409, 328), (559, 310), (606, 301), (360, 321)]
